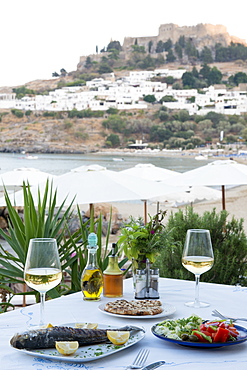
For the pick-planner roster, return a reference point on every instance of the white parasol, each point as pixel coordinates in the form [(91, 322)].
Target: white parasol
[(217, 173), (97, 186)]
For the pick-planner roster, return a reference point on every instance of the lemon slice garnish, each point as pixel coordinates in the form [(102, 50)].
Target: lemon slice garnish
[(86, 325), (49, 326), (67, 348), (118, 337)]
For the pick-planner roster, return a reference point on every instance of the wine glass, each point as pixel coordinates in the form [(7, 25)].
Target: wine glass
[(42, 270), (198, 257)]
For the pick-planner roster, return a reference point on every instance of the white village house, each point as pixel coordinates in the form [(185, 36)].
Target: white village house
[(128, 93)]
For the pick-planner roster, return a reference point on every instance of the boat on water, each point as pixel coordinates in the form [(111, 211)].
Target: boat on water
[(201, 157), (31, 157), (118, 159)]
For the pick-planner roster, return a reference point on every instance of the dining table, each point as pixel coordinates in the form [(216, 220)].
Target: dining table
[(228, 299)]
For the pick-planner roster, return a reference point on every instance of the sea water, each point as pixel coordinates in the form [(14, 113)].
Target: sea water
[(58, 164)]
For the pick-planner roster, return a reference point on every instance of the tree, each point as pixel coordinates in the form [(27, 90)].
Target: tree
[(114, 45), (190, 49), (150, 44), (113, 140), (215, 76), (178, 50), (195, 72), (104, 68), (204, 71), (170, 56), (181, 41), (113, 54), (55, 74), (149, 98), (115, 123), (159, 47), (167, 45), (206, 55), (63, 72), (138, 49), (88, 63), (188, 80), (167, 98), (239, 77)]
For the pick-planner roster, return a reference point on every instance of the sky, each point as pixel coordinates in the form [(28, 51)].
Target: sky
[(39, 37)]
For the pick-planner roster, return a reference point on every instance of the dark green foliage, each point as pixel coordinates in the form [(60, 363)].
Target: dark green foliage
[(230, 53), (115, 123), (229, 244), (104, 68), (178, 50), (149, 98), (22, 91), (239, 77), (167, 98), (167, 45), (170, 56), (159, 47), (206, 55), (114, 45), (84, 113), (18, 113), (112, 110), (49, 114), (113, 141)]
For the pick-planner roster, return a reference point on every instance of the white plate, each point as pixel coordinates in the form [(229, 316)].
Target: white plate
[(85, 353), (168, 309)]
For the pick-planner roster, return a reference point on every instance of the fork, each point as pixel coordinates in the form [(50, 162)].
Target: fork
[(140, 359), (223, 317)]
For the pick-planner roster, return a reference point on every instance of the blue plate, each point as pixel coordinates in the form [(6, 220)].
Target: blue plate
[(242, 337)]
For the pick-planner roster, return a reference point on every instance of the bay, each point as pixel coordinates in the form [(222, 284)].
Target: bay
[(58, 164)]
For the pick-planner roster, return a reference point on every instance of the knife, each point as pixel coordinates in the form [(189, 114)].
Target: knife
[(154, 365)]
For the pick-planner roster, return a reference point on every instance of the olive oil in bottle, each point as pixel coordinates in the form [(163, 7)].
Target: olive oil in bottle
[(113, 277), (91, 279)]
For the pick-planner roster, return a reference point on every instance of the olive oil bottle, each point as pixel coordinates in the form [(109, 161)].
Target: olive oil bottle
[(91, 278), (113, 277)]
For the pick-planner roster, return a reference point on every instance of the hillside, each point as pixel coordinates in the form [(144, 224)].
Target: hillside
[(36, 133)]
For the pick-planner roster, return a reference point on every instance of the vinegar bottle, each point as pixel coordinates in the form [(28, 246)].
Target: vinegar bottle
[(91, 278), (113, 277)]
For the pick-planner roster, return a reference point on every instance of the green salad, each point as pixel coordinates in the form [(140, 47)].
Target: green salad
[(194, 329), (175, 329)]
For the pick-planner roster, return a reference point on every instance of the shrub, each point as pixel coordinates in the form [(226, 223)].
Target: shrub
[(229, 244), (18, 113)]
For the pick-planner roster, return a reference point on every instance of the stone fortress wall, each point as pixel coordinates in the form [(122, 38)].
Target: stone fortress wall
[(201, 34)]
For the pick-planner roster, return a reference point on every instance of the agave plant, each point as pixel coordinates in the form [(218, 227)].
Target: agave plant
[(42, 221), (47, 221)]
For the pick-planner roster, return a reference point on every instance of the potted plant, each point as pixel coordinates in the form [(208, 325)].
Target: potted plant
[(142, 243)]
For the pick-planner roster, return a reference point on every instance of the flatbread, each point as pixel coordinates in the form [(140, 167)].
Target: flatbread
[(134, 308)]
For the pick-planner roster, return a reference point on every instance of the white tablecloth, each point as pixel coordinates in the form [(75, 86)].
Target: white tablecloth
[(231, 300)]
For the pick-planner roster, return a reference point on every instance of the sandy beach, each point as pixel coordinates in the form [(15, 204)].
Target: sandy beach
[(236, 206)]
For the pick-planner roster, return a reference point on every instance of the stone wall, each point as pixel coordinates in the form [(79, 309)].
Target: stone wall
[(202, 34)]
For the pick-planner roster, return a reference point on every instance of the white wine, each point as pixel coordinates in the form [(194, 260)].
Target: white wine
[(43, 279), (197, 264)]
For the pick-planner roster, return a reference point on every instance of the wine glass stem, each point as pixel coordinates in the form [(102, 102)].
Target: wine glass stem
[(42, 309), (197, 290)]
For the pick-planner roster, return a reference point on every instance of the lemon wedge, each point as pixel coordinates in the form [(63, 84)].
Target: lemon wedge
[(49, 326), (86, 325), (67, 348), (118, 337)]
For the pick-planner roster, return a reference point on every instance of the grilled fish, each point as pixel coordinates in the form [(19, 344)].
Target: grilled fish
[(46, 338)]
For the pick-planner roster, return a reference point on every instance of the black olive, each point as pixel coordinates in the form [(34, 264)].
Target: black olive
[(193, 338), (184, 336)]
